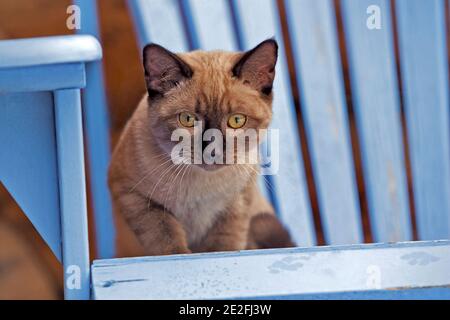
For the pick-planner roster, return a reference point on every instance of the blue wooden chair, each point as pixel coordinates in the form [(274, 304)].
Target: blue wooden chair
[(392, 268)]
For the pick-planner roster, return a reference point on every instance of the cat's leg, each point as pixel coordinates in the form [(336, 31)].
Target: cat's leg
[(266, 232), (228, 233), (157, 230)]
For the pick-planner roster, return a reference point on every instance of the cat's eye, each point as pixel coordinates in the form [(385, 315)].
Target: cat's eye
[(237, 121), (186, 119)]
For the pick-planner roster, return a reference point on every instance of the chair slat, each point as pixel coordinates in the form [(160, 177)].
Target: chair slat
[(376, 105), (213, 24), (313, 34), (159, 21), (424, 71), (258, 20)]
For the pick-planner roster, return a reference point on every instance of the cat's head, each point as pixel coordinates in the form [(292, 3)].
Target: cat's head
[(227, 91)]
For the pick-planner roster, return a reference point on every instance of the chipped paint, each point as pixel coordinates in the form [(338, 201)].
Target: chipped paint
[(109, 283), (420, 258), (288, 263)]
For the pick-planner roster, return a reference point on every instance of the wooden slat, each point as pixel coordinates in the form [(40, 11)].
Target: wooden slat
[(213, 23), (313, 33), (72, 193), (159, 21), (424, 71), (258, 20), (358, 271), (376, 104)]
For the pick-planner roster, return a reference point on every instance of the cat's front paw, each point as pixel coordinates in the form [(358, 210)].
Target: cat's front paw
[(173, 247), (181, 250)]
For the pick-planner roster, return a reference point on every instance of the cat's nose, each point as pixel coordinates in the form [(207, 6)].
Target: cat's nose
[(214, 156)]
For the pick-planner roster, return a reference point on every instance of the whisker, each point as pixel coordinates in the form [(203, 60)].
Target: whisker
[(150, 171), (188, 168), (266, 181), (176, 172), (163, 174)]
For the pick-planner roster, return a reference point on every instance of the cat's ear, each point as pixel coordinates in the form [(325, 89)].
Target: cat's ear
[(163, 69), (257, 66)]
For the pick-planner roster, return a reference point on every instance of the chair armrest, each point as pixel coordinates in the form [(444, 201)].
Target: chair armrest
[(47, 63), (49, 50)]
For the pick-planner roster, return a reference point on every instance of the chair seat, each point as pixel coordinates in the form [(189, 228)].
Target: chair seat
[(400, 270)]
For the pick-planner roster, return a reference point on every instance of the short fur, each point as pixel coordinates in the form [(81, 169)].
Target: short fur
[(191, 208)]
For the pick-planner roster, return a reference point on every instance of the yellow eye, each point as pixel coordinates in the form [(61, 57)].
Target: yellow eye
[(186, 119), (237, 121)]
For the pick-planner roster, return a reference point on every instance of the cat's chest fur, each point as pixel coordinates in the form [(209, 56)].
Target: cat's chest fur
[(201, 200)]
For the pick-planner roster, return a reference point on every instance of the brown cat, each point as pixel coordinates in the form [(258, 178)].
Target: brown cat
[(183, 208)]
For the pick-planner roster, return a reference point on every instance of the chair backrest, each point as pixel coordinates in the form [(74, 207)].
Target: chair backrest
[(377, 101)]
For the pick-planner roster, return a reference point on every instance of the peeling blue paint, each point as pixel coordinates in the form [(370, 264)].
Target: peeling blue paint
[(420, 258)]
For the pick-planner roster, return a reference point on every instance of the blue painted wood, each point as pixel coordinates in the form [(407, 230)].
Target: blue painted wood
[(435, 293), (28, 166), (96, 123), (424, 71), (20, 79), (313, 30), (189, 24), (48, 50), (376, 105), (213, 24), (151, 20), (257, 21), (72, 193), (317, 272)]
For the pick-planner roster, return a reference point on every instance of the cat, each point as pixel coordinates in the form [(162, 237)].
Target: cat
[(186, 208)]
